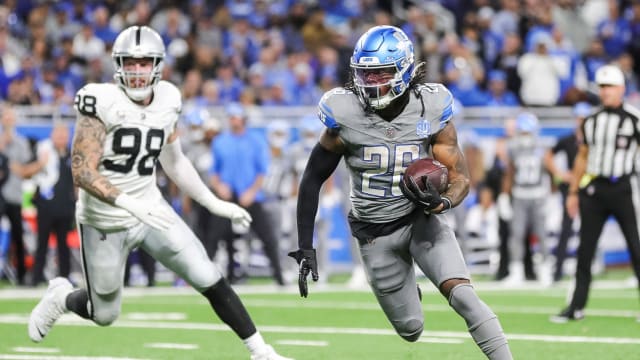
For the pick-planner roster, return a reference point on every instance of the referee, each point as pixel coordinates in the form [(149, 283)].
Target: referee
[(605, 182)]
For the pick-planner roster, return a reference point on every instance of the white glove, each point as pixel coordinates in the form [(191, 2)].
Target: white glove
[(155, 215), (235, 213), (505, 211)]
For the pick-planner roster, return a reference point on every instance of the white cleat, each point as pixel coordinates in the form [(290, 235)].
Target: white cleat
[(49, 309), (268, 354)]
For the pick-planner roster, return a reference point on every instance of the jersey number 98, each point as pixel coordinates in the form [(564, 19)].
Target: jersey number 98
[(128, 141)]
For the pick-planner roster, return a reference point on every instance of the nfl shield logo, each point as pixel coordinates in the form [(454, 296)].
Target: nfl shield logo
[(389, 132), (423, 129)]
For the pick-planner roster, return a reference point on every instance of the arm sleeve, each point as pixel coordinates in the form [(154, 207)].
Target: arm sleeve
[(320, 166), (179, 169)]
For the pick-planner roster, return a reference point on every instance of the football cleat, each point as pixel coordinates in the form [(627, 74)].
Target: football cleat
[(268, 353), (567, 315), (49, 309)]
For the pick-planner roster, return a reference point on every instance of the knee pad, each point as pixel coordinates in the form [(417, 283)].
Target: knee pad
[(105, 309), (410, 330)]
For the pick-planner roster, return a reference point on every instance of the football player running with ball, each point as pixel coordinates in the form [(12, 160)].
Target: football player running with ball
[(122, 129), (385, 118)]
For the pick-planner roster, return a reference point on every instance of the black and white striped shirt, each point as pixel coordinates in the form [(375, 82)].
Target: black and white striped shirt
[(612, 136)]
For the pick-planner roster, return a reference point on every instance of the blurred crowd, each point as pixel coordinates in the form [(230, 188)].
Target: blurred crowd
[(288, 52), (242, 55)]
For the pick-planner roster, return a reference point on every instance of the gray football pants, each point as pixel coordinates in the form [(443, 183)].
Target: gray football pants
[(528, 214), (104, 255), (388, 262)]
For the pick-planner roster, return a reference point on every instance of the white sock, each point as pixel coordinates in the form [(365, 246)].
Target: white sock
[(255, 343)]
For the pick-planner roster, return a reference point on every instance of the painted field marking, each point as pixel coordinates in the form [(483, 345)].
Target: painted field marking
[(37, 350), (435, 340), (72, 320), (172, 346), (178, 316), (60, 357), (302, 343)]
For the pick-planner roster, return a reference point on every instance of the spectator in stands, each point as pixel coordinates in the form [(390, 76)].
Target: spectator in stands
[(86, 44), (594, 58), (229, 85), (303, 91), (498, 94), (101, 26), (614, 31), (210, 94), (55, 201), (16, 148), (508, 61), (539, 73), (464, 72), (241, 160)]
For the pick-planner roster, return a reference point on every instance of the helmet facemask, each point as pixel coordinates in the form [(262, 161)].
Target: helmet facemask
[(138, 85), (380, 85)]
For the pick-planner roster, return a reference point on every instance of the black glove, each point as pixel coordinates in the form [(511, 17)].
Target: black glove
[(307, 261), (428, 199)]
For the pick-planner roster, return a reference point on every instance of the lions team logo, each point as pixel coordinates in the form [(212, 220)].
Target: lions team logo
[(423, 129)]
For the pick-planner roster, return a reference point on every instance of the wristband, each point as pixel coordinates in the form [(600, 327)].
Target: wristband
[(446, 204)]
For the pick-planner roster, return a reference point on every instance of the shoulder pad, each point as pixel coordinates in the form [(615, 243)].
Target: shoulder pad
[(325, 107), (93, 99), (169, 95), (438, 99)]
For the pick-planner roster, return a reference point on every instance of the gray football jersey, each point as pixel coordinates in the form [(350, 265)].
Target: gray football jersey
[(530, 179), (378, 152)]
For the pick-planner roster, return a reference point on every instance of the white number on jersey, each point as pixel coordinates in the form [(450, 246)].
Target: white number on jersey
[(385, 161)]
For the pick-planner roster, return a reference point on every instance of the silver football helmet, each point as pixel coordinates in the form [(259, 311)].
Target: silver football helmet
[(138, 42)]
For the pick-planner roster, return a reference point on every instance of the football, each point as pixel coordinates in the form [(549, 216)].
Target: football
[(421, 169)]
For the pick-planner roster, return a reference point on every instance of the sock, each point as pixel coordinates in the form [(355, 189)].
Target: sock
[(255, 343), (227, 305), (78, 302)]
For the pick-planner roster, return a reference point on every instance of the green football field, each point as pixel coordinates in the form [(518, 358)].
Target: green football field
[(333, 323)]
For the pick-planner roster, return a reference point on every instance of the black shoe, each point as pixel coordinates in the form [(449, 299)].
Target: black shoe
[(567, 315)]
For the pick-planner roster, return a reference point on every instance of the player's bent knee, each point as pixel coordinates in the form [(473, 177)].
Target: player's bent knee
[(106, 316), (410, 330)]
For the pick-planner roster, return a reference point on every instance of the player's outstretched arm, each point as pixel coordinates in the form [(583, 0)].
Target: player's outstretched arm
[(87, 148), (322, 162), (179, 169), (447, 151)]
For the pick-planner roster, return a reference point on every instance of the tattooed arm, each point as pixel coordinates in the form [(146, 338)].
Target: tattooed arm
[(88, 144), (446, 150)]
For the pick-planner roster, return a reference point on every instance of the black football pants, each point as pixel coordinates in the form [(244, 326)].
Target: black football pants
[(599, 200)]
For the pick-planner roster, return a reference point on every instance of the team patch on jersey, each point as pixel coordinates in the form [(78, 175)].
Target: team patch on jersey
[(423, 129)]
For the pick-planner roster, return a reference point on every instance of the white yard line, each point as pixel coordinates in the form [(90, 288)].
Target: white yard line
[(172, 346), (72, 320), (483, 286), (37, 350), (302, 343), (59, 357)]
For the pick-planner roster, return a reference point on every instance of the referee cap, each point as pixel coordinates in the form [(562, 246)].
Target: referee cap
[(609, 75)]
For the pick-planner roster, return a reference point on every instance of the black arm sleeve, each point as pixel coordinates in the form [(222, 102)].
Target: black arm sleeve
[(320, 166)]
